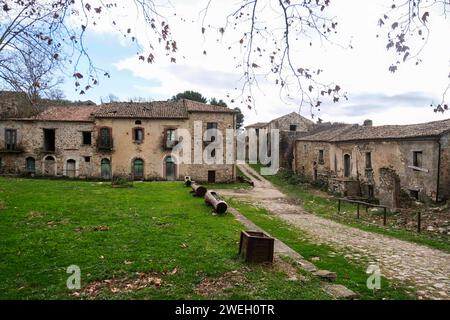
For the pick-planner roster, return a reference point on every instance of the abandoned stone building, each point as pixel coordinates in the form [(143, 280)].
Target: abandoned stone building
[(133, 139), (291, 127), (378, 161)]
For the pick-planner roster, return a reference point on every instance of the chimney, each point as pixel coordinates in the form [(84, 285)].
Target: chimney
[(368, 123)]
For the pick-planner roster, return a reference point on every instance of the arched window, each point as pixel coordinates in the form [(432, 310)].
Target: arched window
[(138, 168), (105, 169), (30, 165), (138, 122)]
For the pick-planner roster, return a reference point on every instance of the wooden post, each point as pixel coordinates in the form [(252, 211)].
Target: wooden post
[(339, 205), (419, 222), (357, 210), (384, 216)]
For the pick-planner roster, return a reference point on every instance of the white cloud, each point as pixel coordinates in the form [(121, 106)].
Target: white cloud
[(362, 71)]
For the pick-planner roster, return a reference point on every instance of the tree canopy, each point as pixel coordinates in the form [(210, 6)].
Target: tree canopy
[(190, 95)]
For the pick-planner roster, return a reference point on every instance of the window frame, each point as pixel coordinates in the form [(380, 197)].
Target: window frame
[(100, 137), (418, 161), (321, 159), (10, 139), (368, 156), (135, 130)]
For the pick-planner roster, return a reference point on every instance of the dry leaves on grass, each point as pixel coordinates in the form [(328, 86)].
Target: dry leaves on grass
[(120, 285), (213, 286), (94, 228)]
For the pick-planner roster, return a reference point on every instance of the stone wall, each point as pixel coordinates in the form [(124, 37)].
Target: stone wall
[(306, 160), (68, 146), (444, 172), (394, 154), (30, 137), (283, 123)]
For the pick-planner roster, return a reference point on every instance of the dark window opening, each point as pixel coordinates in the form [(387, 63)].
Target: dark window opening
[(211, 176), (213, 153), (138, 122), (257, 132), (105, 139), (414, 194), (87, 137), (321, 160), (49, 139), (417, 159), (315, 175), (347, 164), (370, 191), (31, 165), (11, 139), (368, 160), (138, 135), (87, 159), (293, 127)]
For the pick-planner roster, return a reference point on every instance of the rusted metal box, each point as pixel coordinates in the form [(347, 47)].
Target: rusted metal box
[(256, 246)]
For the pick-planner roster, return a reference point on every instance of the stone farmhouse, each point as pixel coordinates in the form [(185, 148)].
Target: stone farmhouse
[(291, 126), (378, 161), (133, 139)]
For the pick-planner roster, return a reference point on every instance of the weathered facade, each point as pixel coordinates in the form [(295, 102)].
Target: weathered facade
[(377, 158), (291, 127), (133, 139)]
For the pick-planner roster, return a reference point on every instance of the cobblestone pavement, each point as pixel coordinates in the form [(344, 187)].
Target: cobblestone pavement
[(427, 269)]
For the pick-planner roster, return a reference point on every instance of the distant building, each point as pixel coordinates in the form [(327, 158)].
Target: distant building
[(291, 126), (378, 161)]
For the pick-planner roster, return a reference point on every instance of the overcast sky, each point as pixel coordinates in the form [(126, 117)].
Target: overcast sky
[(374, 93)]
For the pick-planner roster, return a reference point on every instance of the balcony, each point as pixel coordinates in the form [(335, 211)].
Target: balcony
[(105, 147), (12, 148)]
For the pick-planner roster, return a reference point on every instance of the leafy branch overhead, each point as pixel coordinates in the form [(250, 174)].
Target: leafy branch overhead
[(273, 37), (407, 26), (56, 30)]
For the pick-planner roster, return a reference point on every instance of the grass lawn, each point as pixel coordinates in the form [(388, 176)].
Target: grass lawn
[(326, 207), (156, 229), (352, 275)]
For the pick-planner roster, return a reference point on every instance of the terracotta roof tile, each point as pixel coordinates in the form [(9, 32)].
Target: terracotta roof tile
[(347, 132), (152, 110), (73, 113), (194, 106), (156, 109), (257, 125)]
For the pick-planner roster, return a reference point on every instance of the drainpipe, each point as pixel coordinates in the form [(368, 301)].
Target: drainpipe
[(438, 169)]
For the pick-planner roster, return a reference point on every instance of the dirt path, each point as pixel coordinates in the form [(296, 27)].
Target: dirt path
[(426, 268)]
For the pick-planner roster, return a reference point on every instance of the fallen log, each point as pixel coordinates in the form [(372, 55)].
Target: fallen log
[(198, 190), (213, 199)]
